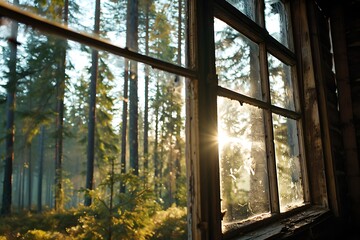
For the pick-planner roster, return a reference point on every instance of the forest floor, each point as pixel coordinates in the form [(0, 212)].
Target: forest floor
[(28, 225)]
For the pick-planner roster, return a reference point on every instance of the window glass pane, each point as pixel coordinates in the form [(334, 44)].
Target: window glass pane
[(149, 117), (237, 61), (277, 21), (290, 183), (247, 7), (157, 28), (243, 168), (281, 84)]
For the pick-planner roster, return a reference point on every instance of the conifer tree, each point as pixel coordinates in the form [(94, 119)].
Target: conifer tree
[(92, 107), (132, 44), (10, 124), (61, 79)]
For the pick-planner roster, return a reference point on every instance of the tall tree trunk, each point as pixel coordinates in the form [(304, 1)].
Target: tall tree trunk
[(59, 198), (156, 143), (41, 165), (10, 120), (28, 147), (92, 111), (160, 159), (111, 201), (59, 140), (132, 44), (178, 112), (124, 124), (18, 184), (23, 187), (49, 188), (172, 172), (146, 101)]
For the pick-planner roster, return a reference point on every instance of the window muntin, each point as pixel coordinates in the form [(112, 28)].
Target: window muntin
[(237, 61), (166, 25), (242, 156)]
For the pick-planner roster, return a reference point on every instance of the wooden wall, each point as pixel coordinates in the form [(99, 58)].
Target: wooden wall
[(327, 90), (343, 98), (352, 34), (352, 30)]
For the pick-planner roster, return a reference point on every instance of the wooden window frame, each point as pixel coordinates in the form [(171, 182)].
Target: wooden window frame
[(203, 153), (204, 220)]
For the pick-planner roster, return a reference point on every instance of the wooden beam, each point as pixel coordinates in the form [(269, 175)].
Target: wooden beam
[(320, 84), (61, 30), (317, 188), (204, 123)]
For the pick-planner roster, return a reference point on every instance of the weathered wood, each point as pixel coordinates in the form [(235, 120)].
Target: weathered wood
[(254, 102), (47, 26), (192, 136), (253, 31), (345, 104), (328, 106), (290, 226), (312, 131), (205, 174), (270, 153)]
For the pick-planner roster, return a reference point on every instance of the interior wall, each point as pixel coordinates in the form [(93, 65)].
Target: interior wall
[(341, 83), (345, 35), (352, 35)]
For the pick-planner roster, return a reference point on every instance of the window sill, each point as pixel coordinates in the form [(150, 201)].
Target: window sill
[(307, 224)]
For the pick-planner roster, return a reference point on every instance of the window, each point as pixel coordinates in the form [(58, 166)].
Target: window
[(261, 150), (187, 116), (98, 102)]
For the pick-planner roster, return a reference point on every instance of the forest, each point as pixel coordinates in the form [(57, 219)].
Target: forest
[(93, 145)]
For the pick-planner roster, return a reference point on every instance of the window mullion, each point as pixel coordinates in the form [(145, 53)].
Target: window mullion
[(271, 163), (260, 13), (207, 219)]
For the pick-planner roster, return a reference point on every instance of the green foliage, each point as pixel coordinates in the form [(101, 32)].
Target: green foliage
[(43, 235), (47, 225), (134, 216), (160, 37), (170, 224), (129, 215), (122, 216)]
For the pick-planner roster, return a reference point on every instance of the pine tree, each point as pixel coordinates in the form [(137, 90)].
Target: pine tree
[(61, 78), (41, 167), (132, 44), (10, 103), (124, 124), (178, 128), (92, 107), (41, 81), (146, 90)]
